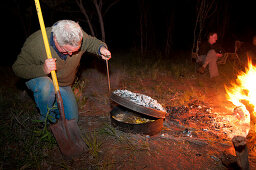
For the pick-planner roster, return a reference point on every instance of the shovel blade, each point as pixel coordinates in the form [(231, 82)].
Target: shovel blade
[(68, 137)]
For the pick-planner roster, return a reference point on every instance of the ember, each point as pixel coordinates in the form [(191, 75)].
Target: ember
[(201, 117), (196, 112), (140, 99)]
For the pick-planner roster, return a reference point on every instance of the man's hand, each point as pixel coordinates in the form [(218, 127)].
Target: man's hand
[(105, 54), (49, 65)]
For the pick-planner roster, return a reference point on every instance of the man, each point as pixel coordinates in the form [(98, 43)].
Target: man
[(208, 54), (67, 42)]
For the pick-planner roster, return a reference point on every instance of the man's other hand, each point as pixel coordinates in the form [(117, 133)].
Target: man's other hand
[(105, 53)]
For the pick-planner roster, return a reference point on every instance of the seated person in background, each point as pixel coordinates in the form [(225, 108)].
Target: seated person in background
[(208, 53)]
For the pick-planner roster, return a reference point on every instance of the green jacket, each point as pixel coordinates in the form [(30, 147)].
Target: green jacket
[(29, 63)]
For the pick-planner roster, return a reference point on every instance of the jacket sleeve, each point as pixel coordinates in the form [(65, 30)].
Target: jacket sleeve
[(92, 44), (28, 65)]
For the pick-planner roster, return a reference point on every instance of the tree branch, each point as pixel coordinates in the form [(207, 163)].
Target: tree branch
[(84, 12), (110, 5)]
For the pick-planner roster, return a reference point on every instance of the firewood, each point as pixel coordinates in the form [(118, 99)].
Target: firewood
[(241, 149)]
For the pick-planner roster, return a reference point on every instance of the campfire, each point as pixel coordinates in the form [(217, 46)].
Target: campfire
[(203, 121), (242, 94)]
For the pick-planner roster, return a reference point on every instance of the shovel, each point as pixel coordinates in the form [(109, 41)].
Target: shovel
[(66, 132)]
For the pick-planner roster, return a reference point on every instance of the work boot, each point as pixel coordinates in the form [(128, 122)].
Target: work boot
[(201, 70)]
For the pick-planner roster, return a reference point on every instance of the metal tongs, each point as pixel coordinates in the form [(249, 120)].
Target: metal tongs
[(108, 73)]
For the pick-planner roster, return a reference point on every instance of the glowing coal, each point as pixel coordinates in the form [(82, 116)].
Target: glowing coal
[(201, 117)]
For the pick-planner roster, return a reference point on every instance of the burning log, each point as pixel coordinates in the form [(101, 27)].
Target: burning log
[(241, 149), (250, 108)]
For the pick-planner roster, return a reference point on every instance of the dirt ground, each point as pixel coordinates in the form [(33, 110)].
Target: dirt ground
[(196, 131), (186, 142)]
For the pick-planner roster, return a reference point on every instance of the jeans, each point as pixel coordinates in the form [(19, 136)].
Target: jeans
[(211, 60), (44, 95)]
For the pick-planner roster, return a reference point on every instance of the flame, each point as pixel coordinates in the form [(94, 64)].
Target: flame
[(244, 90)]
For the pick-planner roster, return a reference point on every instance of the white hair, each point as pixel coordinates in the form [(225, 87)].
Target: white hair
[(67, 32)]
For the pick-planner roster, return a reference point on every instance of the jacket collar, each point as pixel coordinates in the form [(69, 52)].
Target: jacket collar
[(62, 56)]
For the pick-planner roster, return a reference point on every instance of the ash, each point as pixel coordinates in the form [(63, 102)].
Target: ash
[(201, 117), (140, 99), (197, 112)]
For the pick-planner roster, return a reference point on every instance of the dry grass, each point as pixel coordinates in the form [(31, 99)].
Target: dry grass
[(171, 82)]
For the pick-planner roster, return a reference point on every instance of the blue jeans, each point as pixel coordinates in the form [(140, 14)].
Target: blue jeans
[(44, 95)]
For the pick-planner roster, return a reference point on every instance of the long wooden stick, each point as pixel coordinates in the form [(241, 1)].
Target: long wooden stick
[(108, 76), (49, 55)]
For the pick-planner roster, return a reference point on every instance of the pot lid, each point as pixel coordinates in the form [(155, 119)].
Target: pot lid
[(136, 107)]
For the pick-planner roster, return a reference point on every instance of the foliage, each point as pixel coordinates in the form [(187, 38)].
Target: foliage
[(44, 134), (24, 143), (78, 88), (93, 144), (204, 11)]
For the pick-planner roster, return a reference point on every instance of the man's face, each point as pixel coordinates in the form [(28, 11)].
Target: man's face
[(67, 49), (213, 38)]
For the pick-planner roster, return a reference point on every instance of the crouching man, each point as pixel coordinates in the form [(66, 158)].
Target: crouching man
[(68, 42)]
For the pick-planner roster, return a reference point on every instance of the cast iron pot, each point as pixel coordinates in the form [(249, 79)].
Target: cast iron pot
[(149, 128)]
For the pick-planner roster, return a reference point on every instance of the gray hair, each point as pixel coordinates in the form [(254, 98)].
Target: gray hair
[(67, 32)]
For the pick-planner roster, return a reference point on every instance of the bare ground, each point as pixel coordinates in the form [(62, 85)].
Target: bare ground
[(192, 138), (193, 144)]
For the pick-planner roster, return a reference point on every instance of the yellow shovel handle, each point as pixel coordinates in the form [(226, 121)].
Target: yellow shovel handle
[(46, 43)]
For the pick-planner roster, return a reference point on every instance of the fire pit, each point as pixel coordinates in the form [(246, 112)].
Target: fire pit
[(136, 113)]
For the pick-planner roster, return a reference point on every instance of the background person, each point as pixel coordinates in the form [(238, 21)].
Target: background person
[(208, 53)]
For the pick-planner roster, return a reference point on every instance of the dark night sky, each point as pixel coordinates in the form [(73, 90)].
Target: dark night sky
[(122, 22)]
